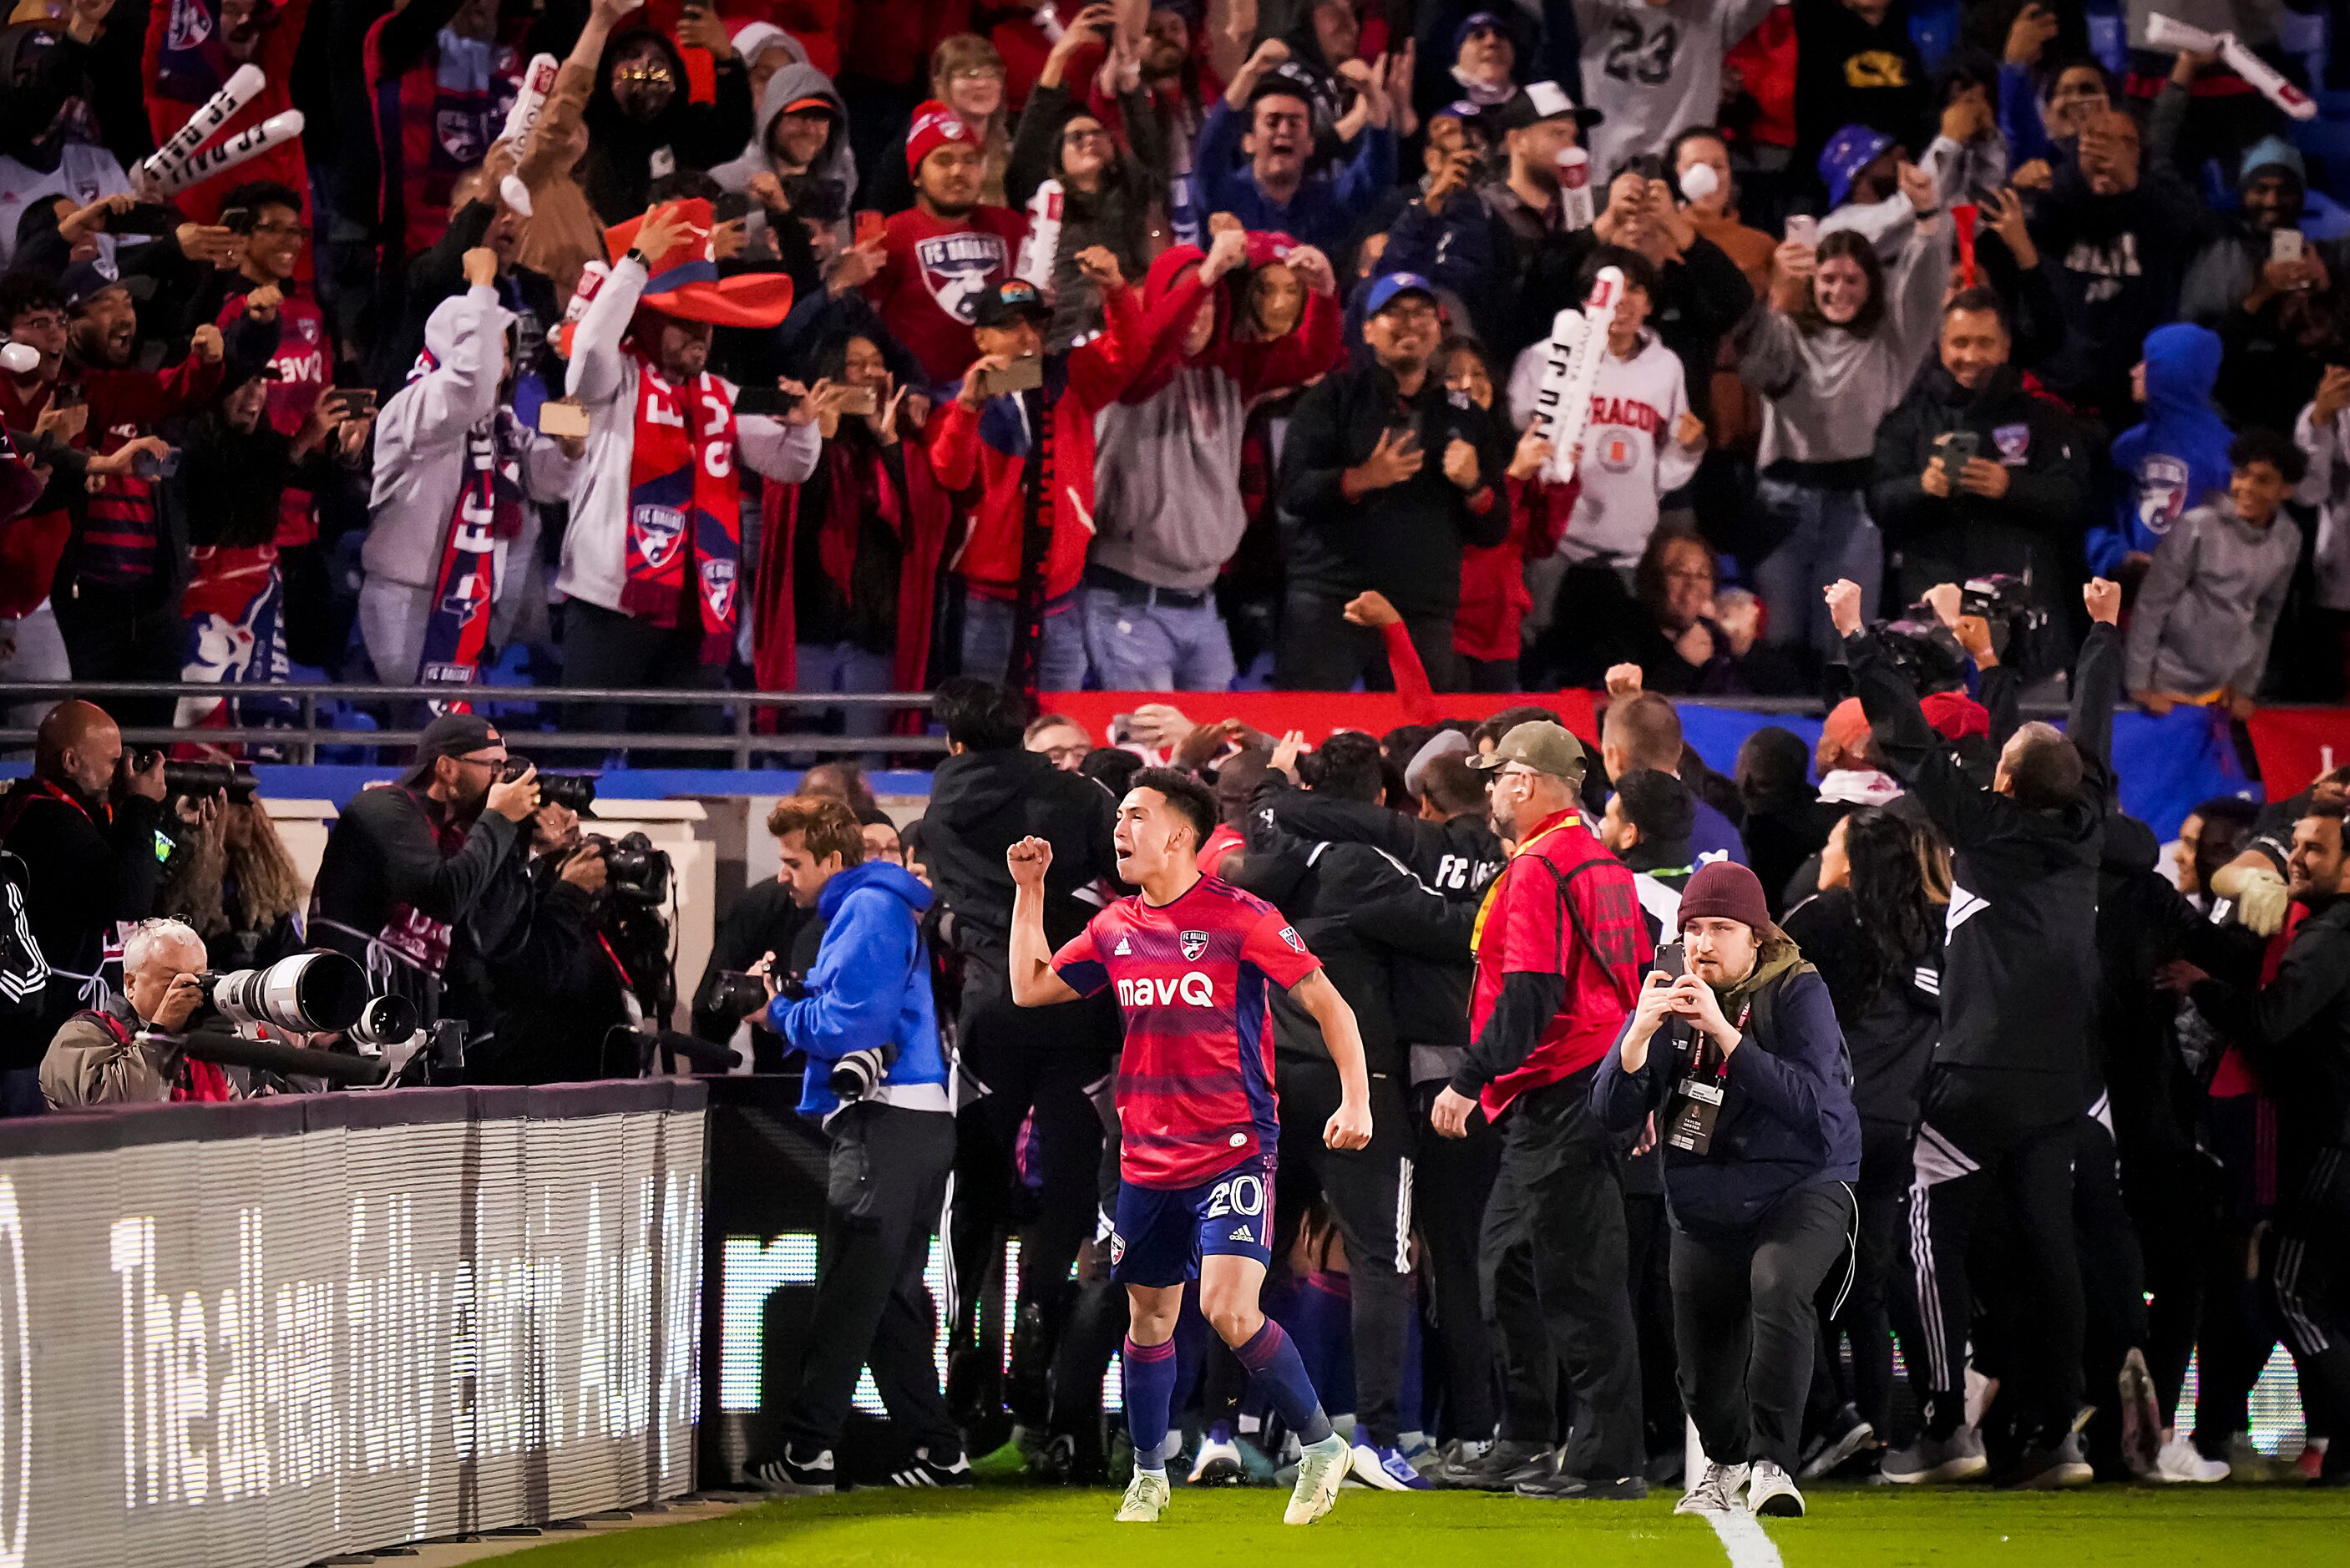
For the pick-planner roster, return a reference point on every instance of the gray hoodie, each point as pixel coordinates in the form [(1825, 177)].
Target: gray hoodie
[(2210, 602), (788, 84), (1825, 393)]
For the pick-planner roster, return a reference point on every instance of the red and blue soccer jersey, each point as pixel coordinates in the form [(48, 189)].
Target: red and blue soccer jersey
[(1195, 1080)]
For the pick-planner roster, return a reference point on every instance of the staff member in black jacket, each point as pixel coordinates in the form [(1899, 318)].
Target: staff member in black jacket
[(1316, 884), (1752, 1097), (83, 825), (2297, 1031), (1387, 481), (1876, 934), (2010, 1071), (990, 794)]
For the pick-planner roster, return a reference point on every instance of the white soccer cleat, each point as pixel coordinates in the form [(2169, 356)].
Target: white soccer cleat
[(1146, 1499), (1770, 1493), (1321, 1467), (2180, 1460), (1218, 1464), (1716, 1491)]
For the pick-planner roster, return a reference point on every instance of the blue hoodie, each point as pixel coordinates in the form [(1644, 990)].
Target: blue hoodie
[(2178, 456), (870, 986)]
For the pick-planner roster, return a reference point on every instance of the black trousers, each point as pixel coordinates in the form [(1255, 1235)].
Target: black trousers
[(1972, 1152), (888, 1184), (124, 634), (1745, 1325), (1450, 1177), (2113, 1277), (1370, 1194), (605, 648), (2308, 1278), (1040, 1062), (1554, 1281), (1872, 1311), (1321, 650)]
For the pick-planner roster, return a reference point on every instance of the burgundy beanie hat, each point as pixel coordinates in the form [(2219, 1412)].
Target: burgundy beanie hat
[(1725, 890)]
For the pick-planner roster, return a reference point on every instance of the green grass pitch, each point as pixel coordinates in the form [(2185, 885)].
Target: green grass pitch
[(992, 1524)]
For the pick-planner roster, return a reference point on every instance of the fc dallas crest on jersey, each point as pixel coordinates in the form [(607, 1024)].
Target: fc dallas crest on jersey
[(958, 268), (1194, 944)]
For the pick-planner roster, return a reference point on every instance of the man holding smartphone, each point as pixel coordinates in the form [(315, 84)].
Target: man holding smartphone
[(2266, 285), (1389, 482)]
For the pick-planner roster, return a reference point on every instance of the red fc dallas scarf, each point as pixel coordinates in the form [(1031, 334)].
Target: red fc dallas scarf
[(684, 507), (488, 513)]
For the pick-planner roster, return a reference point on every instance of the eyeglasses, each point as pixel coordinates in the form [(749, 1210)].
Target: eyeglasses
[(1058, 755), (1077, 136), (976, 74), (648, 75)]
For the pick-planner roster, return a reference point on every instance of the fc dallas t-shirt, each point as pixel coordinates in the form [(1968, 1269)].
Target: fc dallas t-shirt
[(928, 289), (1195, 1080)]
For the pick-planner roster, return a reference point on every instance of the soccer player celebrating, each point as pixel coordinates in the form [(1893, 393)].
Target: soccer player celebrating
[(1191, 958)]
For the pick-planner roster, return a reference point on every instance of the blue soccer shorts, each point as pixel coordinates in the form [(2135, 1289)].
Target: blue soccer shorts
[(1162, 1234)]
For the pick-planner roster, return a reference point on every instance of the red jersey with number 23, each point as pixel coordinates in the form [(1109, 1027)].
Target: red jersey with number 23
[(1195, 1080)]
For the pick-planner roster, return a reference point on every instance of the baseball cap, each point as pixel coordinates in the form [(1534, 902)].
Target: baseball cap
[(1539, 101), (1014, 299), (1383, 292), (451, 735), (815, 102), (85, 281), (1849, 152), (1538, 744)]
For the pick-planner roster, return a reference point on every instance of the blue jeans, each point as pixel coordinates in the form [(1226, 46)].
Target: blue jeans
[(1829, 535), (1151, 646), (845, 667), (987, 641)]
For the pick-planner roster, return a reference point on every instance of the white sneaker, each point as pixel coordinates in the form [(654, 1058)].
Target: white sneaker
[(1321, 1467), (2180, 1460), (1716, 1491), (1145, 1497), (1770, 1492), (1218, 1464)]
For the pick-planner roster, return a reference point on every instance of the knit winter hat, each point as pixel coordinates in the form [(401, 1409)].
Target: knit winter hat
[(934, 126), (1725, 890)]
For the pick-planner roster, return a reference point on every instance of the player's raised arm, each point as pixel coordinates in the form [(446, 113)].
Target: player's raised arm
[(1034, 983), (1350, 1125)]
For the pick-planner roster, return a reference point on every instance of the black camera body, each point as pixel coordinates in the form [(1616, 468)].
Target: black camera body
[(634, 871)]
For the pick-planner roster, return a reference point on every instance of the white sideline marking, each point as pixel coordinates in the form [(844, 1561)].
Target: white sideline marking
[(1742, 1537)]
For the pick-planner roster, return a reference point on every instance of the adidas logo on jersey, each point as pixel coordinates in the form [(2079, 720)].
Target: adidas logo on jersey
[(1243, 1234), (1124, 949)]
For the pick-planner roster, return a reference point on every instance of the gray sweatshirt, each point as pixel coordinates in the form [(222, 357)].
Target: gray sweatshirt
[(1825, 393), (1167, 482), (2211, 603)]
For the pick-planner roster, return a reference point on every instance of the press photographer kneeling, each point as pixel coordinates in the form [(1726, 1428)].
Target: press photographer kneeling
[(877, 1076), (1752, 1098)]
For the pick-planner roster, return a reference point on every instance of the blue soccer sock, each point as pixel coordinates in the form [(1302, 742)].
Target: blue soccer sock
[(1273, 1362), (1148, 1371)]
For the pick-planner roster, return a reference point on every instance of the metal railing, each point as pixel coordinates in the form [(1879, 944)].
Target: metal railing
[(736, 745)]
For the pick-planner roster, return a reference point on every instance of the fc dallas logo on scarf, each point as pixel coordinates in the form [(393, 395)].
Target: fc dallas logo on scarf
[(684, 507), (487, 514)]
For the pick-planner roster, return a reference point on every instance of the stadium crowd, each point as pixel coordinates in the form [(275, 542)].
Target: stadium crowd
[(999, 349)]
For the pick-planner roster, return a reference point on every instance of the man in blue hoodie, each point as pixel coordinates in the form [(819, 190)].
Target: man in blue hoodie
[(2169, 463), (878, 1077)]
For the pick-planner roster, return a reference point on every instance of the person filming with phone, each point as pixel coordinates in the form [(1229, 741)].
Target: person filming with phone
[(83, 825), (1734, 1050)]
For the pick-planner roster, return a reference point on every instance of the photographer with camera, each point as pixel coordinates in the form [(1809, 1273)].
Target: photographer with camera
[(84, 826), (407, 862), (1976, 473), (2010, 1073), (97, 1058), (878, 1080)]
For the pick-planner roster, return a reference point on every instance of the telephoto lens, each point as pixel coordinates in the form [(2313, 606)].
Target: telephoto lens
[(201, 781), (384, 1022), (315, 993), (576, 791), (860, 1072)]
